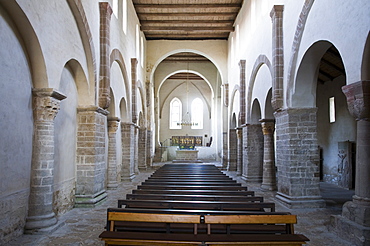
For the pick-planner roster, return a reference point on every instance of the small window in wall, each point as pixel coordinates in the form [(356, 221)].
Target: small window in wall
[(197, 114), (331, 110), (175, 113), (124, 16), (115, 8)]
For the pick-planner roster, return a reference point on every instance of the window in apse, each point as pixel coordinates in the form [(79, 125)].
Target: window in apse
[(175, 113)]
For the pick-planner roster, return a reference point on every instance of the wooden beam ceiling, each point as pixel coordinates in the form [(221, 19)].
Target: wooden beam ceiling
[(187, 19)]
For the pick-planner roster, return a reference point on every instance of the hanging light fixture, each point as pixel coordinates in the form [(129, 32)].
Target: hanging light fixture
[(186, 119)]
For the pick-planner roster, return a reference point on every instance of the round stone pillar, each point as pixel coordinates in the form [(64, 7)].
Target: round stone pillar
[(269, 173), (354, 223), (239, 161), (113, 124), (358, 100), (41, 217)]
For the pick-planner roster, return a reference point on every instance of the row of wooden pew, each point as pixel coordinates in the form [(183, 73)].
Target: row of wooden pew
[(197, 204)]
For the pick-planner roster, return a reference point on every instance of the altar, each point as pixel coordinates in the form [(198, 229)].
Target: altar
[(186, 148)]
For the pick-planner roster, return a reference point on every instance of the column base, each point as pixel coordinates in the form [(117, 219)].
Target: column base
[(252, 179), (112, 186), (43, 224), (349, 230), (301, 201), (268, 187), (90, 201), (128, 178)]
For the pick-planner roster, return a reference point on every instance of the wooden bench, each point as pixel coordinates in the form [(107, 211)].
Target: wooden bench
[(124, 228), (195, 192), (185, 197), (184, 183), (210, 205), (188, 179), (190, 187), (194, 211)]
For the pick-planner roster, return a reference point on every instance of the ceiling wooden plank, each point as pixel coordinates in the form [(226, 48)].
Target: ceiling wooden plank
[(177, 21), (187, 28), (191, 14), (185, 6)]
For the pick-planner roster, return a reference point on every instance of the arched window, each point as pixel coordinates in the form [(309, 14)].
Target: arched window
[(175, 113), (197, 114)]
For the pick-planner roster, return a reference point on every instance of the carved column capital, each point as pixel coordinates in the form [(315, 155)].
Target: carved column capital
[(239, 132), (46, 104), (268, 126), (277, 11), (358, 99), (113, 124)]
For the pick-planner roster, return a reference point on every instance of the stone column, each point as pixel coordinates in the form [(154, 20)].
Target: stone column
[(91, 156), (233, 150), (104, 76), (136, 149), (113, 174), (297, 158), (354, 224), (239, 161), (242, 92), (134, 90), (41, 217), (277, 56), (252, 153), (149, 148), (225, 151), (269, 174), (142, 148), (128, 152)]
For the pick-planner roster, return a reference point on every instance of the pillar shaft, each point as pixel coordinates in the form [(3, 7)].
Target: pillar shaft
[(128, 151), (142, 148), (104, 76), (239, 161), (354, 223), (277, 56), (41, 217), (134, 89), (242, 92), (269, 174), (297, 158), (233, 150), (113, 172), (252, 152), (149, 148), (91, 156)]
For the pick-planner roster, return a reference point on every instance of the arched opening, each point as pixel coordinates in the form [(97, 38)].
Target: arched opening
[(336, 128)]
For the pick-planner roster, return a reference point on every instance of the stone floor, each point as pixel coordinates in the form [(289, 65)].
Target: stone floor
[(82, 226)]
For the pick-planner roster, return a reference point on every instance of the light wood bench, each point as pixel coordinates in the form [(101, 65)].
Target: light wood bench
[(125, 228)]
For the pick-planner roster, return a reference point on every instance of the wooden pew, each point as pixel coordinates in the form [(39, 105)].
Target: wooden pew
[(177, 178), (185, 197), (125, 228), (195, 192), (209, 205), (184, 183), (191, 187)]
